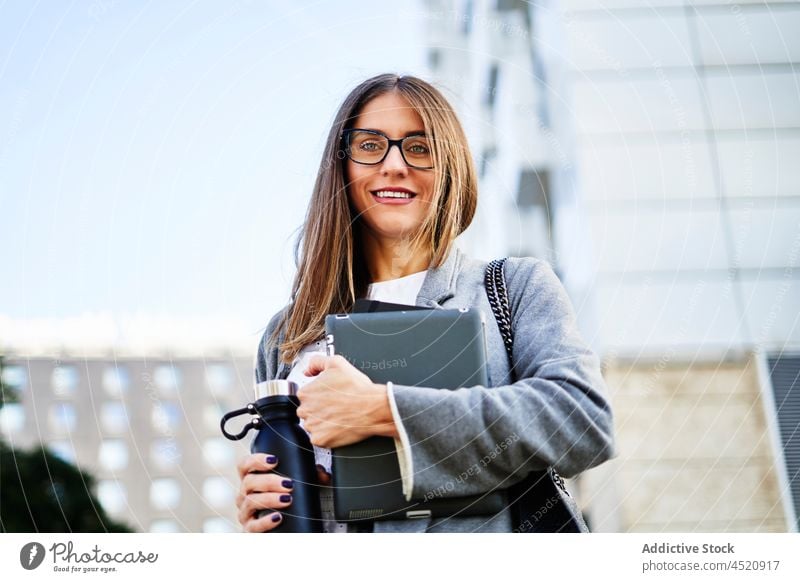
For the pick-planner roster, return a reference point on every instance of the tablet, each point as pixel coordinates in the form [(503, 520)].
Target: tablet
[(434, 348)]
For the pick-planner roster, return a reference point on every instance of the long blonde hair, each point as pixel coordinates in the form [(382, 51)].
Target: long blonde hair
[(331, 270)]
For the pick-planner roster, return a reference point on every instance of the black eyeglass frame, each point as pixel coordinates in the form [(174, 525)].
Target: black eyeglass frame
[(392, 142)]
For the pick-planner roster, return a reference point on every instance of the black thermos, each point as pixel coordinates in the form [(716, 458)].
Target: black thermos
[(280, 434)]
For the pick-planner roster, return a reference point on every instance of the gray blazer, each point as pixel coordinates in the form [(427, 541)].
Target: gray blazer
[(471, 440)]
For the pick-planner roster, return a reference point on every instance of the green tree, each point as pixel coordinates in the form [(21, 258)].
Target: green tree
[(40, 492)]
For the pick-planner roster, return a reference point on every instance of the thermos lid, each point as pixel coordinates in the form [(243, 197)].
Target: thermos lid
[(276, 388)]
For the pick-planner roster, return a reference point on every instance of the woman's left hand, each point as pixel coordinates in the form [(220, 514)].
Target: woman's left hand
[(342, 405)]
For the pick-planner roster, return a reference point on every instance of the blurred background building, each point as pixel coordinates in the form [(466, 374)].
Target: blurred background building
[(147, 429), (648, 150)]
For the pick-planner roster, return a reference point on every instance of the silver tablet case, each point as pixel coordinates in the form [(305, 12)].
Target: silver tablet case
[(435, 348)]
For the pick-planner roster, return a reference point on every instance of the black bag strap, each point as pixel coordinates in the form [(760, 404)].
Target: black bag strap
[(521, 494), (495, 282)]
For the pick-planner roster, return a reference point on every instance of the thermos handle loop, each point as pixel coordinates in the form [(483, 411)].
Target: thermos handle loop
[(254, 423)]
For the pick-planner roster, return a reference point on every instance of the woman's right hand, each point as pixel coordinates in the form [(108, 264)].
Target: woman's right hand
[(261, 489)]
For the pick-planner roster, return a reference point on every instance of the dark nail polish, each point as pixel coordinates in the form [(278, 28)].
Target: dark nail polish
[(276, 517), (286, 498), (288, 483), (272, 459)]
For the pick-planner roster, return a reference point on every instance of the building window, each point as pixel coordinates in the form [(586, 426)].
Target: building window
[(165, 417), (63, 418), (434, 58), (784, 373), (218, 493), (63, 450), (113, 455), (219, 378), (165, 494), (533, 189), (533, 213), (491, 86), (114, 417), (116, 381), (64, 381), (15, 377), (164, 526), (218, 453), (467, 15), (112, 496), (12, 418), (212, 413), (167, 379), (218, 525), (165, 454), (487, 158)]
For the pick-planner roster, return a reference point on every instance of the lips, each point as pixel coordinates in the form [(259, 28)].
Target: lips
[(393, 195)]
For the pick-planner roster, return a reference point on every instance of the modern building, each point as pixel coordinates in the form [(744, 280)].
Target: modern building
[(147, 428), (648, 150)]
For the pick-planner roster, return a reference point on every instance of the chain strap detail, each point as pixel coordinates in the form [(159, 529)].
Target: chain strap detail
[(495, 281), (498, 300)]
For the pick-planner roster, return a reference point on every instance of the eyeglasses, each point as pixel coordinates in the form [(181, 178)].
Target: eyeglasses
[(369, 147)]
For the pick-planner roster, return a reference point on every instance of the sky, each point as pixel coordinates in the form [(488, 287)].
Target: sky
[(156, 158)]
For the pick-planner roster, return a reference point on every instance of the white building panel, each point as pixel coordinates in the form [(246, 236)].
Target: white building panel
[(760, 35), (659, 169), (652, 316), (663, 101), (666, 240), (761, 167), (607, 42), (757, 99)]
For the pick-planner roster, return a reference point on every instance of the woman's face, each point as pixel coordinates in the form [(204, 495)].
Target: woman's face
[(382, 217)]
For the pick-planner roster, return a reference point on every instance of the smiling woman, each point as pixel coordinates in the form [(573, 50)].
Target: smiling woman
[(396, 186), (390, 202)]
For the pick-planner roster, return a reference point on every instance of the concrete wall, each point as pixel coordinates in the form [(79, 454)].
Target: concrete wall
[(695, 452)]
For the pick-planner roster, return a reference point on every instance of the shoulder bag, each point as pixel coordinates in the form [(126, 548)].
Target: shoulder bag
[(540, 502)]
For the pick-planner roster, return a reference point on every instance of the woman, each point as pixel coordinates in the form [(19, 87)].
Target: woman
[(381, 224)]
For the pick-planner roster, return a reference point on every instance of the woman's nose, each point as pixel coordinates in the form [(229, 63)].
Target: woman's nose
[(394, 162)]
